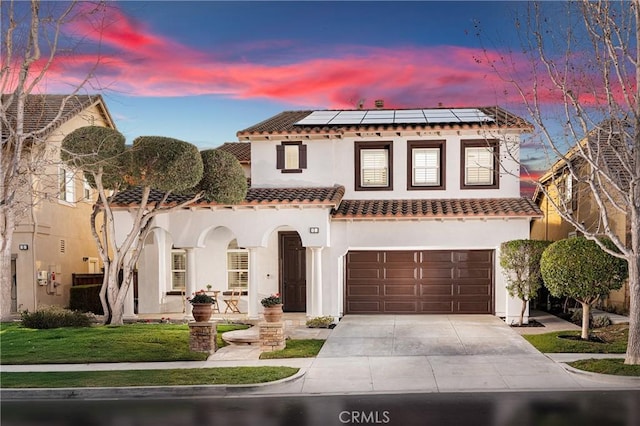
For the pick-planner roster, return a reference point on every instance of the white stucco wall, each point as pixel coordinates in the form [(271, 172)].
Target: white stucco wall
[(332, 162), (420, 235)]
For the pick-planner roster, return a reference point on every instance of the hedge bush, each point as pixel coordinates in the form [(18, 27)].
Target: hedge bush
[(86, 298), (55, 317)]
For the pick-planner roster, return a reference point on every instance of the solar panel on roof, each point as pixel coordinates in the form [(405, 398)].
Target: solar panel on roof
[(407, 116)]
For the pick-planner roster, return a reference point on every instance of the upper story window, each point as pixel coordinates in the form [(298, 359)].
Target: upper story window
[(178, 270), (291, 157), (374, 166), (425, 165), (567, 191), (66, 185), (479, 164)]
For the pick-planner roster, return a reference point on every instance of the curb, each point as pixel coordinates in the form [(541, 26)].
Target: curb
[(611, 378), (138, 392)]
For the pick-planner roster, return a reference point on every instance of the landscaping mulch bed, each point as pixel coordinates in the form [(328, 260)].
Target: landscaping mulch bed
[(532, 323)]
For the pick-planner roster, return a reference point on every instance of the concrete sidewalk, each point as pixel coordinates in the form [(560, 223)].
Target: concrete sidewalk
[(380, 354)]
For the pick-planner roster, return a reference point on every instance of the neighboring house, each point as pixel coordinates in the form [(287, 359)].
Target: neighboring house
[(54, 240), (354, 212), (572, 194)]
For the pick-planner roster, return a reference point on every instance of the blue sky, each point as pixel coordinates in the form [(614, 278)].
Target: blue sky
[(200, 71), (283, 42)]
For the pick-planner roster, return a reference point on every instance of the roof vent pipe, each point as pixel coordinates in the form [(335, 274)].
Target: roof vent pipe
[(379, 103)]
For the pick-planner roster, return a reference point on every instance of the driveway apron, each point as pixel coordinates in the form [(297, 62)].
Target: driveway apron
[(431, 353)]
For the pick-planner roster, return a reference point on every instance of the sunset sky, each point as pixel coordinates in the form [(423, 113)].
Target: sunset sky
[(202, 70)]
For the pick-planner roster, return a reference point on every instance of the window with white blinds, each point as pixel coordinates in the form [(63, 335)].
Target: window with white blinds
[(66, 184), (426, 166), (291, 157), (237, 266), (479, 169), (374, 165), (178, 270)]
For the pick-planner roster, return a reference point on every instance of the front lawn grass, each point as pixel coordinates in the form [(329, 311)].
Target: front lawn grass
[(139, 342), (302, 348), (125, 378), (614, 337), (607, 366)]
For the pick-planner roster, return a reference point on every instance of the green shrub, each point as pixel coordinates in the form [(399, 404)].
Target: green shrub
[(600, 321), (86, 298), (55, 317), (320, 322), (576, 317)]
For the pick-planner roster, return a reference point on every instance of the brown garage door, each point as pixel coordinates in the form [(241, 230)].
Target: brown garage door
[(425, 282)]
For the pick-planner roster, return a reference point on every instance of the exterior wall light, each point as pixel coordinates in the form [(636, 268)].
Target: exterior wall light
[(23, 246), (314, 230)]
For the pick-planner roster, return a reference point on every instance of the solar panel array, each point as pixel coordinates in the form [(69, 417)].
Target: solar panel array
[(395, 116)]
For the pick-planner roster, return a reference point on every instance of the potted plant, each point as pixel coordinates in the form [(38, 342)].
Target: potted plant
[(272, 308), (202, 305)]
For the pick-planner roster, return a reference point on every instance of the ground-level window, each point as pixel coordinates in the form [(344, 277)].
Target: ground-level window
[(178, 270), (237, 266)]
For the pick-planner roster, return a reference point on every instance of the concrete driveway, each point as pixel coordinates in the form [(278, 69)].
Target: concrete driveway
[(431, 353), (416, 335)]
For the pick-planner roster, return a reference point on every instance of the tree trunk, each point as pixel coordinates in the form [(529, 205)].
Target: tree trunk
[(633, 343), (586, 310), (6, 279), (522, 310)]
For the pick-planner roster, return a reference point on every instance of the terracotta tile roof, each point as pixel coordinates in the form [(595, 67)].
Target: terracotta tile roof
[(42, 111), (255, 197), (241, 150), (451, 208), (284, 123)]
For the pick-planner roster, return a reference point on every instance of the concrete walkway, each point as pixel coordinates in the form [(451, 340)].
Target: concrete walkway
[(383, 354)]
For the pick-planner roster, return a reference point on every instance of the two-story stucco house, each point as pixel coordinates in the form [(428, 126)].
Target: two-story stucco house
[(53, 239), (355, 212)]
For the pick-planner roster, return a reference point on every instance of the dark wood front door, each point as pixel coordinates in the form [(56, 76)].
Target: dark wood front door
[(293, 272)]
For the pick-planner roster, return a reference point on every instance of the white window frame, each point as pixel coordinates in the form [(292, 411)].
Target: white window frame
[(86, 190), (234, 250), (181, 271), (66, 185), (430, 170), (376, 166), (479, 163)]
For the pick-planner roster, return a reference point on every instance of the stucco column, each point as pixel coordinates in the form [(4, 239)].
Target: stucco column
[(129, 312), (316, 281), (252, 303), (191, 280)]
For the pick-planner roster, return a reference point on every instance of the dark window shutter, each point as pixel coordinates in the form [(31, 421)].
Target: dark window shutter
[(280, 156), (302, 156)]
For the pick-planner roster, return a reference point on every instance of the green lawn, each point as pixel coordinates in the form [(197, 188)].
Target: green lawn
[(614, 336), (302, 348), (126, 378), (137, 342), (607, 366)]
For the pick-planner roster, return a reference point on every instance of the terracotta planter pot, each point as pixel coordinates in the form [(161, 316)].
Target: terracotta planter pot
[(202, 311), (273, 313)]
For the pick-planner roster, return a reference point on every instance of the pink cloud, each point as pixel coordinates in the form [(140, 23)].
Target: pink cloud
[(139, 62)]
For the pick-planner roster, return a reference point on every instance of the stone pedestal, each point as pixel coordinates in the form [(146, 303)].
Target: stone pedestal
[(202, 337), (272, 336)]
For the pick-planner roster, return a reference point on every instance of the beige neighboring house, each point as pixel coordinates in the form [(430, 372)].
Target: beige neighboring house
[(53, 240), (571, 193)]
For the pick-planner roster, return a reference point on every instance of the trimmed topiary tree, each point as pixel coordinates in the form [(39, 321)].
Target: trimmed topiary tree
[(520, 262), (223, 181), (579, 268)]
